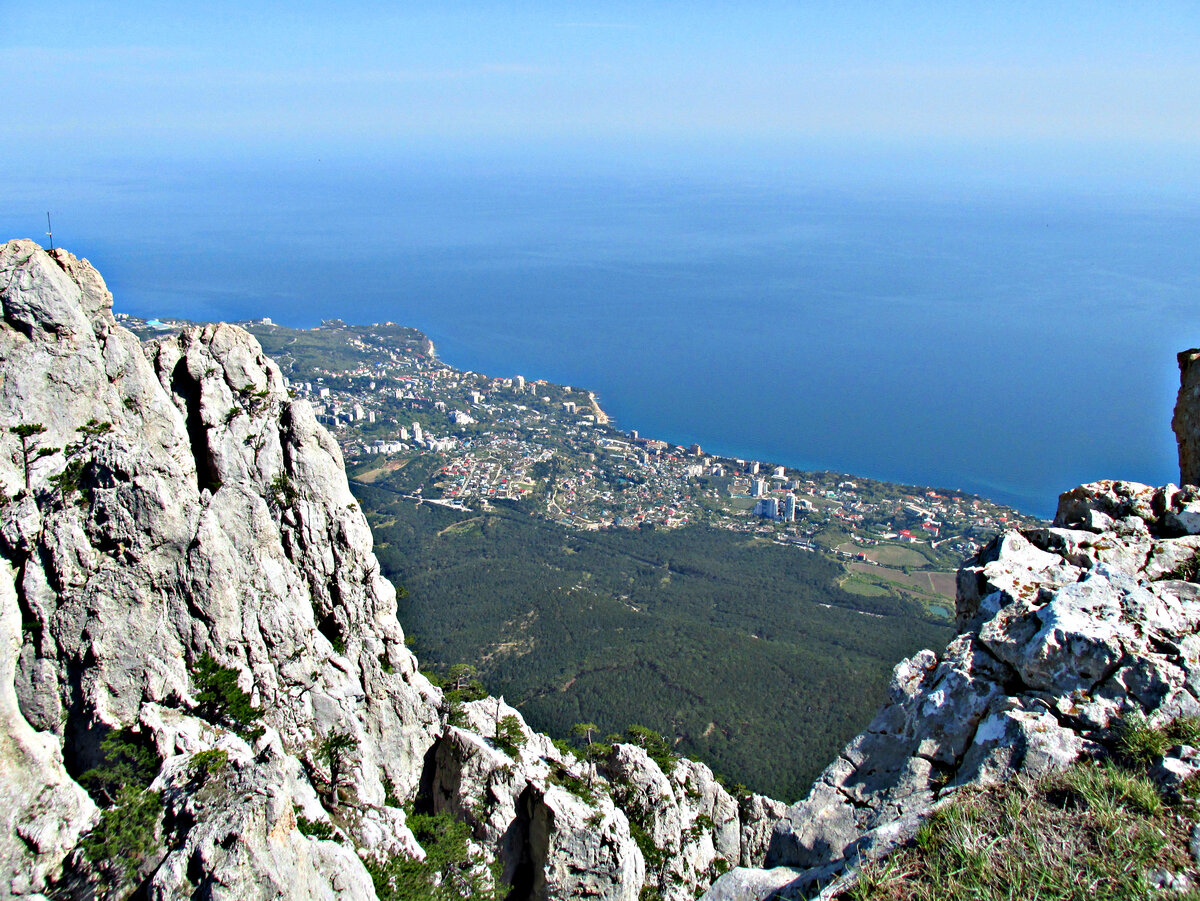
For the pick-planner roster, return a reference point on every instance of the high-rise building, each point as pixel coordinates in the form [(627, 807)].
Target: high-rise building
[(789, 508), (767, 507)]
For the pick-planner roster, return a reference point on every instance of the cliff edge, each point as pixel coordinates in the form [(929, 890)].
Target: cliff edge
[(204, 689), (1063, 632)]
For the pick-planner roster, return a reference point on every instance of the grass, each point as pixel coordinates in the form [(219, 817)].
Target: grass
[(895, 555), (1094, 831), (862, 587), (935, 585)]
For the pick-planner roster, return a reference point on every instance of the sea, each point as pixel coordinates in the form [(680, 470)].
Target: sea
[(1007, 340)]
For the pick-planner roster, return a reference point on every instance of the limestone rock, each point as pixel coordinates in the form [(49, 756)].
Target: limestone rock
[(547, 816), (174, 504), (690, 820), (44, 811), (758, 815), (1062, 630), (171, 501), (1186, 421)]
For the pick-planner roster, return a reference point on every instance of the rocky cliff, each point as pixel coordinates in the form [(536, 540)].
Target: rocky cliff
[(193, 627), (1062, 631)]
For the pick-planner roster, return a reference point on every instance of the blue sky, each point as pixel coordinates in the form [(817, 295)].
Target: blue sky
[(1123, 78)]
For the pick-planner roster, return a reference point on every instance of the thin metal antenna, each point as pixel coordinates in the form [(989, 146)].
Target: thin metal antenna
[(50, 233)]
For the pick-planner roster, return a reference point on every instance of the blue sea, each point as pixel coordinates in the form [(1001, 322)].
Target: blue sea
[(1008, 341)]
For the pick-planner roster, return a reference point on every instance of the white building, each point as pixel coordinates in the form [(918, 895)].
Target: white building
[(767, 507)]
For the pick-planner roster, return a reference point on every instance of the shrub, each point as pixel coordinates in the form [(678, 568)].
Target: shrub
[(207, 763), (219, 699), (509, 737), (129, 760), (313, 828), (390, 799), (446, 874), (282, 492), (581, 788), (124, 837)]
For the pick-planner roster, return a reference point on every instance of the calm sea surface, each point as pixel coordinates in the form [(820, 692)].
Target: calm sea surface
[(1010, 345)]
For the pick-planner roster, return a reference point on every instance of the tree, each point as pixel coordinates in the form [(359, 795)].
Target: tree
[(584, 731), (129, 759), (333, 751), (126, 832), (654, 745), (509, 737), (220, 700), (27, 432), (461, 676)]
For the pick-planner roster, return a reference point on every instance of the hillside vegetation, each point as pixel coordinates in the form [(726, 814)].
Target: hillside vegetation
[(746, 654)]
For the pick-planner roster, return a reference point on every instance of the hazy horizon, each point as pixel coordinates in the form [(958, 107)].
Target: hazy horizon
[(1005, 194)]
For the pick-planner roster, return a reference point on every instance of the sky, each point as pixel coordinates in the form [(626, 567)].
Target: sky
[(1098, 86)]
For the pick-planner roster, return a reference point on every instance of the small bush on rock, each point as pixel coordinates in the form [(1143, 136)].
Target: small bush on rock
[(124, 837), (126, 833), (208, 763), (447, 873), (509, 738), (219, 699)]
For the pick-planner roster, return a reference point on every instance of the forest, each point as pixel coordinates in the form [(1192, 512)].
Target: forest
[(744, 654)]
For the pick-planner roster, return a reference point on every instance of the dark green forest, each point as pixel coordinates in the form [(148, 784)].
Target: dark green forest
[(744, 653)]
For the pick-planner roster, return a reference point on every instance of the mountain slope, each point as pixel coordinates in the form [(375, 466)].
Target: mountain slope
[(204, 690)]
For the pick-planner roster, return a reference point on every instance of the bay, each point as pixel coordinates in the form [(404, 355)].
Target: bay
[(1012, 343)]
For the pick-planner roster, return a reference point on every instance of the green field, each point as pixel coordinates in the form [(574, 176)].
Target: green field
[(888, 554)]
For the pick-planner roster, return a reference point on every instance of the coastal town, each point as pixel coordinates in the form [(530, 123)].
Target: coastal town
[(416, 425)]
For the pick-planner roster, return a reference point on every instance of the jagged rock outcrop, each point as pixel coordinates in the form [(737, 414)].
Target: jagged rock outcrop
[(548, 818), (1186, 421), (163, 508), (1061, 630), (170, 504), (620, 818)]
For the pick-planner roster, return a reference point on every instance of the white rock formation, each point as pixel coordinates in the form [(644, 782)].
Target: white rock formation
[(1062, 630), (167, 502), (202, 511)]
